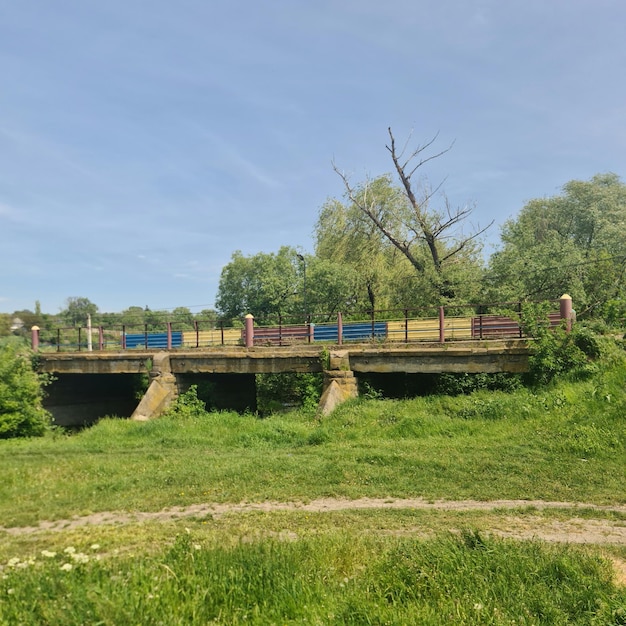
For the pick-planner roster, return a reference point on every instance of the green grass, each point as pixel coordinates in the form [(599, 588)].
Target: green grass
[(322, 579), (345, 567), (564, 444)]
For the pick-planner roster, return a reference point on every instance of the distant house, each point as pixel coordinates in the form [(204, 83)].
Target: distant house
[(16, 324)]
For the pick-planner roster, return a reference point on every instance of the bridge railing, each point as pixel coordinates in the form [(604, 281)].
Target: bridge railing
[(438, 324)]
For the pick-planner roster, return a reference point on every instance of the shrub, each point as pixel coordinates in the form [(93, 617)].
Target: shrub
[(555, 351), (187, 405), (277, 392), (21, 411)]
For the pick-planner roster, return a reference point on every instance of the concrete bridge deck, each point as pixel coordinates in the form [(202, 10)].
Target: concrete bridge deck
[(89, 385), (463, 356)]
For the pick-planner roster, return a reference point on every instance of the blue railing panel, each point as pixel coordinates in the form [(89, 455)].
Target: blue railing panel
[(351, 331), (155, 340)]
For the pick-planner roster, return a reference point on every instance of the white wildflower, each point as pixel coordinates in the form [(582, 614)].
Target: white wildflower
[(95, 546), (197, 546), (48, 554), (69, 550), (66, 567), (13, 562), (79, 557)]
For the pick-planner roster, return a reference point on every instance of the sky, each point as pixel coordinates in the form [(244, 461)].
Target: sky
[(142, 143)]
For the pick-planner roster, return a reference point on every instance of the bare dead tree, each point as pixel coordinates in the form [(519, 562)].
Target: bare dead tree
[(434, 228)]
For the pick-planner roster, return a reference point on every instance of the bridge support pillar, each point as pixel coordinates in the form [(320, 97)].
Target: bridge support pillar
[(339, 382), (163, 390), (338, 387)]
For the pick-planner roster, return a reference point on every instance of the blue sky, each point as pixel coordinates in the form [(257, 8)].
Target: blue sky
[(141, 143)]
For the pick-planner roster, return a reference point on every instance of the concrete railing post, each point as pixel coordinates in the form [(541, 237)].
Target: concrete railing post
[(566, 311), (249, 325), (169, 335), (35, 338), (100, 338)]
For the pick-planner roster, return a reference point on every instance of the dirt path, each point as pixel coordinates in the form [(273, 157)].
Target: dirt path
[(576, 529)]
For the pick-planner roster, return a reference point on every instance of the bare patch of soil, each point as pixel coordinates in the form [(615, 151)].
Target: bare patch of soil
[(574, 530)]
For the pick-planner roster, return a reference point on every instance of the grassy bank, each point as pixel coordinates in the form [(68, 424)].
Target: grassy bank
[(567, 443)]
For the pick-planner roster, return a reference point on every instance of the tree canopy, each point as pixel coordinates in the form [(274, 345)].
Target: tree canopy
[(77, 310), (430, 239), (263, 284), (571, 243)]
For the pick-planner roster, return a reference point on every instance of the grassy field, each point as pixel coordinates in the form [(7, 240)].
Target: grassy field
[(376, 566)]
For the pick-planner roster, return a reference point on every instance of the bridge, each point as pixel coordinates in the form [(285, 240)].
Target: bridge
[(89, 385), (111, 380)]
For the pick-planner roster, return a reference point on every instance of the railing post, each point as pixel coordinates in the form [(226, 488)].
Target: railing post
[(373, 313), (280, 329), (309, 329), (79, 339), (58, 340), (169, 335), (145, 336), (100, 338), (406, 325), (442, 328), (34, 338), (222, 330), (339, 329), (566, 311), (196, 327), (249, 325), (123, 337)]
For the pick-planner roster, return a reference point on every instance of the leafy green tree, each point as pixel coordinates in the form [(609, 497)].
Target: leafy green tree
[(136, 316), (331, 287), (5, 324), (77, 310), (262, 284), (345, 235), (571, 243), (207, 317), (182, 317), (21, 411)]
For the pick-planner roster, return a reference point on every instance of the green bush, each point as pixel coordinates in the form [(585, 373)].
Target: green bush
[(21, 411), (187, 405), (459, 384), (277, 392), (554, 351)]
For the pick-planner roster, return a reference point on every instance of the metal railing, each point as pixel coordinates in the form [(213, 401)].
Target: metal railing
[(433, 324)]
